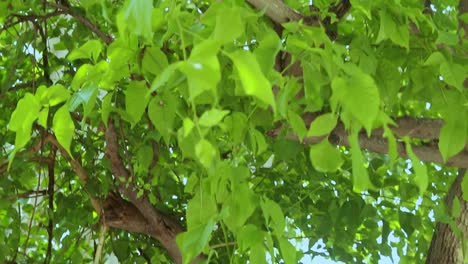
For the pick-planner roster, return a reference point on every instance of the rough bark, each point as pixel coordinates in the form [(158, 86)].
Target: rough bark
[(446, 246)]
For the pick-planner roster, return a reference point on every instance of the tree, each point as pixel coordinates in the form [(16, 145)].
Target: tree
[(227, 131)]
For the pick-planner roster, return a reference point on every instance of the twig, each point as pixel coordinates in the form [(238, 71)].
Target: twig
[(50, 190), (85, 21), (277, 10), (102, 239)]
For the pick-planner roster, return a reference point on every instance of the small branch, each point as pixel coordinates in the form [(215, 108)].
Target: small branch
[(102, 238), (223, 245), (25, 195), (50, 190), (85, 21), (277, 10)]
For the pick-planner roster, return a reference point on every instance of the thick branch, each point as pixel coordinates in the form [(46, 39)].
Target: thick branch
[(163, 227), (427, 129)]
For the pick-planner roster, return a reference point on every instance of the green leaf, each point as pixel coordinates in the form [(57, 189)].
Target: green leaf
[(358, 95), (188, 125), (258, 141), (212, 117), (136, 100), (447, 38), (464, 186), (200, 209), (136, 17), (154, 60), (241, 203), (252, 78), (453, 136), (322, 125), (288, 251), (205, 152), (164, 77), (144, 157), (272, 210), (162, 113), (237, 126), (229, 24), (202, 68), (456, 207), (43, 116), (453, 74), (192, 242), (389, 29), (258, 254), (249, 236), (90, 50), (57, 94), (392, 146), (106, 107), (268, 48), (325, 157), (64, 128), (361, 180), (421, 178), (26, 112), (436, 58), (364, 6), (297, 125)]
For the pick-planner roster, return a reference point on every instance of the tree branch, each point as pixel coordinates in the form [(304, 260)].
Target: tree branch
[(85, 21), (163, 227), (276, 10), (426, 129)]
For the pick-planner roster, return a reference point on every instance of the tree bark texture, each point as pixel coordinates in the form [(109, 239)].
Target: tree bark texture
[(446, 247)]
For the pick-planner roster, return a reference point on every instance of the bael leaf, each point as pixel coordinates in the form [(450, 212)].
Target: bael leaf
[(192, 242), (272, 210), (229, 24), (453, 74), (325, 157), (464, 186), (361, 180), (154, 60), (212, 117), (90, 50), (136, 100), (162, 113), (297, 125), (57, 94), (322, 125), (205, 152), (358, 94), (26, 112), (136, 17), (454, 133), (252, 78), (288, 251), (421, 178), (202, 68), (64, 128)]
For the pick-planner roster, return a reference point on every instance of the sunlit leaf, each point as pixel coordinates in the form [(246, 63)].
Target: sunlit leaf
[(136, 100), (212, 117), (322, 125), (252, 78), (64, 128), (325, 157)]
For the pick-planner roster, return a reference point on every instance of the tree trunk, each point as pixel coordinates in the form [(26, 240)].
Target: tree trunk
[(446, 247)]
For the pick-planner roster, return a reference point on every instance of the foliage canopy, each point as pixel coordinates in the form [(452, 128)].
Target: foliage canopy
[(250, 130)]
